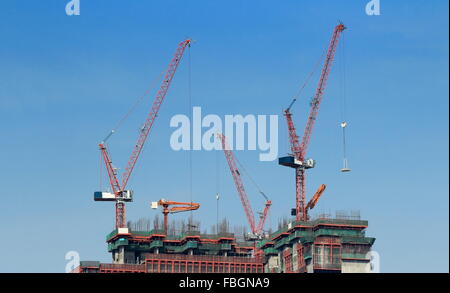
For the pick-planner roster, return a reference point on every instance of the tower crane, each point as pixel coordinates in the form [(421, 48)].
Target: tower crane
[(297, 159), (256, 229), (178, 208), (119, 193)]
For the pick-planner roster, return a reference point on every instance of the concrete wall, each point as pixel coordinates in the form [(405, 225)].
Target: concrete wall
[(122, 256), (356, 266), (294, 257), (273, 264), (309, 266)]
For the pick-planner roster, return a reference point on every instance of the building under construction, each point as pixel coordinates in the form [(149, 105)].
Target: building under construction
[(302, 245), (321, 245)]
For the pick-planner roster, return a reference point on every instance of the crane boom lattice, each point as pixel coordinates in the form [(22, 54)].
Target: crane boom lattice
[(120, 195)]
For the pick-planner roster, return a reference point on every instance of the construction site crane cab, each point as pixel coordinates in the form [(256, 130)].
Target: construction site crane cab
[(126, 196), (293, 162), (251, 237)]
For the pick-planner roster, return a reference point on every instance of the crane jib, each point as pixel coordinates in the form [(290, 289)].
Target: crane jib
[(256, 229), (117, 188), (297, 159)]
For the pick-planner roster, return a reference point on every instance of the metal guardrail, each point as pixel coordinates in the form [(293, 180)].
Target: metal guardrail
[(205, 258), (123, 267), (110, 235), (361, 256), (358, 240), (320, 221)]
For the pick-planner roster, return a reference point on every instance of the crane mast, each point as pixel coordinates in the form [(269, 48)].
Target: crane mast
[(256, 229), (297, 159), (120, 195)]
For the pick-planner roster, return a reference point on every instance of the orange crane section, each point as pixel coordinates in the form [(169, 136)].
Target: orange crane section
[(178, 208), (312, 203)]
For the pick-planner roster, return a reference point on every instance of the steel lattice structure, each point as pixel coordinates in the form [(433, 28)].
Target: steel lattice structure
[(299, 149), (256, 229), (117, 188)]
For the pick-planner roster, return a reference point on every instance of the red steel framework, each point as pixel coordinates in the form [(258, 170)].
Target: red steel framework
[(256, 229), (330, 260), (173, 263), (122, 268), (301, 266), (170, 263), (287, 257), (118, 188), (299, 149)]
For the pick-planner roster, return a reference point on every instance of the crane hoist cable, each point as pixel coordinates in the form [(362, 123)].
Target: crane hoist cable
[(308, 78), (152, 86), (305, 83), (101, 173), (251, 178), (217, 189), (190, 111), (344, 123), (343, 81)]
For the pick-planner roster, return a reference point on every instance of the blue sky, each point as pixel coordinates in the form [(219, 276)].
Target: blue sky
[(66, 81)]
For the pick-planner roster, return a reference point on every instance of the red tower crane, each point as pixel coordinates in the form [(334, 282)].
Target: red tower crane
[(119, 194), (256, 229), (297, 159)]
